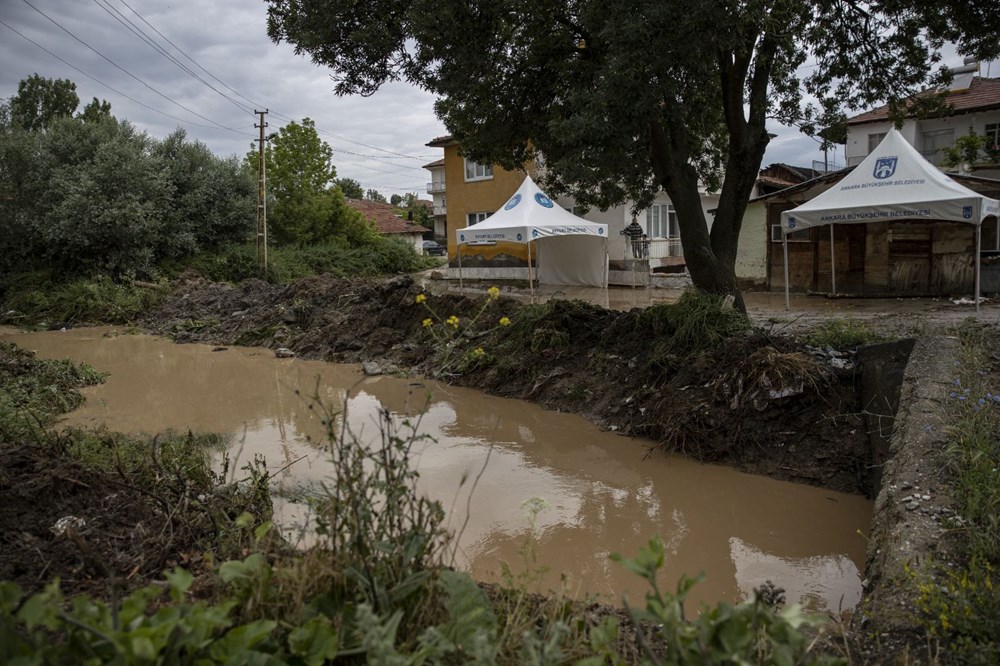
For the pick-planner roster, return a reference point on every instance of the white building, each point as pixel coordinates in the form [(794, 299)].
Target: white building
[(973, 104)]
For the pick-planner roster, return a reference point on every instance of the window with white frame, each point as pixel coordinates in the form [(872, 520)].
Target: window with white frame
[(475, 218), (477, 171), (992, 134), (874, 140), (661, 221), (935, 143)]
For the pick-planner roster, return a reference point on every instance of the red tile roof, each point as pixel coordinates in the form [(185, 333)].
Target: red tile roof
[(441, 141), (384, 217), (981, 95)]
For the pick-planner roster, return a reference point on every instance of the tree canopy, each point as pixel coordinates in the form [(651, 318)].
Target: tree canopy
[(351, 188), (305, 207), (40, 100), (626, 98)]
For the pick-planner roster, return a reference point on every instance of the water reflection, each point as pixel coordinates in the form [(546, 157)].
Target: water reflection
[(601, 495)]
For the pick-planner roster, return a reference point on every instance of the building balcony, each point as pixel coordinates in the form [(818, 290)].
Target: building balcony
[(435, 187), (440, 210)]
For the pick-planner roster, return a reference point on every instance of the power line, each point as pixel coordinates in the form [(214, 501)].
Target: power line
[(93, 78), (256, 104), (141, 34), (166, 97)]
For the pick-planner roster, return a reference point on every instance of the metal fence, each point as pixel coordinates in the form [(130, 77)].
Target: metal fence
[(653, 248)]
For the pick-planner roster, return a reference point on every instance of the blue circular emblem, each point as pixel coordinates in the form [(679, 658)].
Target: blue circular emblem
[(600, 230), (514, 200), (534, 233), (461, 237), (520, 237), (791, 223), (543, 200)]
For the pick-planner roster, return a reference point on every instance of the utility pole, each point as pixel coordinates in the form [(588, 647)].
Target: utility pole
[(261, 196)]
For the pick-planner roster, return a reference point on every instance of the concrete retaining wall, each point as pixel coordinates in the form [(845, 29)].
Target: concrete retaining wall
[(912, 505)]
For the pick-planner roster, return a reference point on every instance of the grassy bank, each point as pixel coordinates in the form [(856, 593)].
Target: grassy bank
[(960, 601)]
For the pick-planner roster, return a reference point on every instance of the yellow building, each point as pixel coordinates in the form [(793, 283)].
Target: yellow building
[(474, 192)]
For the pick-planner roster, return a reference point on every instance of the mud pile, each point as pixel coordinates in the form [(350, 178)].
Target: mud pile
[(756, 401)]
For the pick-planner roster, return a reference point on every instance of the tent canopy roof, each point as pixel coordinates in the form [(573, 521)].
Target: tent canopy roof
[(529, 215), (894, 182)]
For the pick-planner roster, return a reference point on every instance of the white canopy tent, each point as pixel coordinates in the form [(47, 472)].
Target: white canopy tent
[(894, 183), (570, 250)]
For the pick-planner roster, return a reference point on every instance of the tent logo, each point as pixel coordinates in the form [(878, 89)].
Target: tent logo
[(534, 232), (967, 212), (520, 237), (600, 230), (514, 200), (461, 237), (543, 200), (791, 223), (885, 167)]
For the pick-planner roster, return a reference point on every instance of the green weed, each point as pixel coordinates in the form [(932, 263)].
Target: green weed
[(96, 299), (844, 334)]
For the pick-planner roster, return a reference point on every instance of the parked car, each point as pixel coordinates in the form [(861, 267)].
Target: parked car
[(434, 249)]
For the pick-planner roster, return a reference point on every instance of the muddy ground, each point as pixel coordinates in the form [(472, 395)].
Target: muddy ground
[(760, 401)]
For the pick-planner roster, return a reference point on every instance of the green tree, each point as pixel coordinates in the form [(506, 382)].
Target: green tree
[(95, 111), (351, 188), (626, 98), (303, 204), (375, 195), (396, 199), (39, 101)]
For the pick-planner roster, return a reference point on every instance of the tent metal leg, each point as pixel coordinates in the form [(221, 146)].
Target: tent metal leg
[(531, 283), (784, 246), (833, 265), (461, 284), (979, 243)]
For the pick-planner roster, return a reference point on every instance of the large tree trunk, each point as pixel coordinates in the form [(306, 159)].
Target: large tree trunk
[(710, 257)]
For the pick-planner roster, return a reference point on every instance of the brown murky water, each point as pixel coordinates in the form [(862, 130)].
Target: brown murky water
[(601, 496)]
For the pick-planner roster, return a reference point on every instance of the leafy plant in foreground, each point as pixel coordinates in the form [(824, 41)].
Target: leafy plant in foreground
[(751, 632)]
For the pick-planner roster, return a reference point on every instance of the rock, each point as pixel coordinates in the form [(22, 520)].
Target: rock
[(218, 349), (371, 368), (913, 505), (241, 313), (284, 352), (391, 369)]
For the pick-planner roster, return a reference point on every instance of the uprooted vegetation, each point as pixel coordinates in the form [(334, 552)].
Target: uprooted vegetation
[(692, 376)]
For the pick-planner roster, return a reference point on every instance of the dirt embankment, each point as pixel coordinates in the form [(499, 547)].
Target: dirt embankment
[(758, 402)]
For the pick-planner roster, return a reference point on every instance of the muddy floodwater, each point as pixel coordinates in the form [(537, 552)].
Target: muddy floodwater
[(601, 492)]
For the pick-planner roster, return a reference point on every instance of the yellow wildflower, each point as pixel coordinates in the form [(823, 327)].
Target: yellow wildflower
[(478, 352), (505, 321), (421, 298), (428, 322), (452, 321), (493, 292)]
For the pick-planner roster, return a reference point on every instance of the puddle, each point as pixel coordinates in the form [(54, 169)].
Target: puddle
[(601, 495)]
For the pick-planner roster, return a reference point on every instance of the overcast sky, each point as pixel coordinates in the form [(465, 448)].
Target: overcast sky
[(378, 140)]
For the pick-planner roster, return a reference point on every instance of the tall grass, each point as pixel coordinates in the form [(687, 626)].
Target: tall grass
[(287, 264), (97, 299)]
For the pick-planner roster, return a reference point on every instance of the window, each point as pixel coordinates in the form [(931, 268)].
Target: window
[(475, 218), (661, 221), (874, 140), (476, 171), (800, 236), (935, 142), (992, 134)]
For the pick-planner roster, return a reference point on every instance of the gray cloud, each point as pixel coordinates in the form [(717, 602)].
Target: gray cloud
[(228, 38)]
